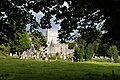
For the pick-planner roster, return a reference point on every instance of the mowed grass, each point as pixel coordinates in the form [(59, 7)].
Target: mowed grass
[(15, 69)]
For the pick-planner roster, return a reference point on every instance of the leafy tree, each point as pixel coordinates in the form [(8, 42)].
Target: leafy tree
[(38, 39), (76, 53), (71, 45), (20, 43), (89, 52), (113, 53), (80, 14), (18, 40), (81, 45), (4, 50), (80, 41), (82, 52), (90, 35), (96, 46), (103, 50)]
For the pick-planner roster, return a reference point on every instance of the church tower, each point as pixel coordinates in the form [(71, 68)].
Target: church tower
[(51, 36)]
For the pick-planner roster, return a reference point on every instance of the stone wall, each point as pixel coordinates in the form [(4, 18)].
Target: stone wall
[(60, 48)]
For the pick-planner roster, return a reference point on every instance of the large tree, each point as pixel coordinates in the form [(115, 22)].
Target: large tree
[(78, 15), (20, 42)]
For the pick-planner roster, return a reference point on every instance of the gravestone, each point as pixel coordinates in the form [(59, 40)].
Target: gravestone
[(72, 59), (96, 57), (101, 57), (11, 54), (65, 57)]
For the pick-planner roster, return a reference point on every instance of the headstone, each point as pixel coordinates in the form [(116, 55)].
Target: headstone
[(38, 55), (106, 57), (23, 55), (112, 59), (46, 57), (65, 57), (118, 57), (101, 57), (72, 59), (61, 55), (96, 57), (11, 54), (83, 59)]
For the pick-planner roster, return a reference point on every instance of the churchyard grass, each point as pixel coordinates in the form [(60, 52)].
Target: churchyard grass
[(15, 69)]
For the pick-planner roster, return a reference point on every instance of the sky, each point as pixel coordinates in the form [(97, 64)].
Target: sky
[(40, 15)]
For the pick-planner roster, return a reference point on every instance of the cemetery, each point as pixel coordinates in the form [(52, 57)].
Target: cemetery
[(59, 40), (56, 61)]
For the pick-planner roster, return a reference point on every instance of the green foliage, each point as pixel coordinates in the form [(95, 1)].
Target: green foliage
[(80, 41), (95, 46), (82, 51), (113, 52), (76, 53), (38, 39), (81, 44), (19, 39), (103, 50), (79, 52), (81, 15), (71, 45), (4, 51), (89, 51), (90, 34), (21, 42)]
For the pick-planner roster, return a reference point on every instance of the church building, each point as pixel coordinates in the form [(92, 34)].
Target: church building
[(54, 46)]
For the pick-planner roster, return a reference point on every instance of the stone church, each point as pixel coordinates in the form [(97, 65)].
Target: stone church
[(54, 46)]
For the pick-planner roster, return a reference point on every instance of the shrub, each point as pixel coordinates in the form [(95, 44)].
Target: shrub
[(113, 53)]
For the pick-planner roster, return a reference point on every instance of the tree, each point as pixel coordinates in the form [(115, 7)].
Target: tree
[(18, 40), (76, 53), (81, 45), (90, 35), (82, 52), (95, 47), (38, 39), (113, 53), (89, 52), (4, 50), (79, 15), (103, 50), (71, 45), (20, 43)]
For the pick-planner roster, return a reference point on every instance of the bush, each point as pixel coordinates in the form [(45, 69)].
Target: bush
[(113, 53), (4, 50), (89, 52)]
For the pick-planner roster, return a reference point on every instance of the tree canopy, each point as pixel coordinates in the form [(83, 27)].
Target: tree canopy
[(80, 14)]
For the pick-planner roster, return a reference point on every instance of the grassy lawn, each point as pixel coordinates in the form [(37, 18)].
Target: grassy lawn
[(14, 69)]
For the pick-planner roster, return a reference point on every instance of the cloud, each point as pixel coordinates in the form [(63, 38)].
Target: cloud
[(65, 4), (38, 17)]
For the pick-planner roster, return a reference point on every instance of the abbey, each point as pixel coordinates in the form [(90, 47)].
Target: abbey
[(54, 46)]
